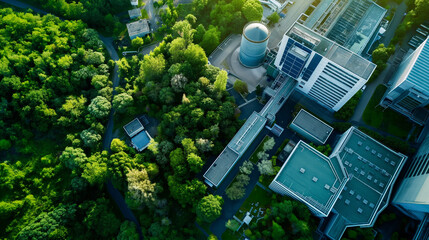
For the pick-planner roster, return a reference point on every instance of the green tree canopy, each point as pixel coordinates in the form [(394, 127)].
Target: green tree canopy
[(209, 208)]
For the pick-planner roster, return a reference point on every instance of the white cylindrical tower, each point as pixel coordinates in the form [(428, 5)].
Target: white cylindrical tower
[(254, 44)]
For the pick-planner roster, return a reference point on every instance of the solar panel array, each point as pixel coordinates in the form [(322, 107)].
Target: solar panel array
[(293, 64), (311, 66)]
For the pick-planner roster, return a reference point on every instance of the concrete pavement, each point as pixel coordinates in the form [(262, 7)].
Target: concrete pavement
[(396, 20), (292, 14)]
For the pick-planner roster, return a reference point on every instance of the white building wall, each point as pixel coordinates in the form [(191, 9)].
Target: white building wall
[(412, 197)]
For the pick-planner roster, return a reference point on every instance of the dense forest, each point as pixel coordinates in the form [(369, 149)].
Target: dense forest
[(197, 118), (55, 99), (96, 13)]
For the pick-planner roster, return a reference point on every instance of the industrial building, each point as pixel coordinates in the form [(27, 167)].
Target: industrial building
[(347, 189), (325, 71), (353, 24), (409, 92), (412, 197), (253, 45)]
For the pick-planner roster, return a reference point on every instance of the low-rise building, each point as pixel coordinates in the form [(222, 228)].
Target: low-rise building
[(311, 127), (139, 28), (140, 138), (135, 13), (350, 188)]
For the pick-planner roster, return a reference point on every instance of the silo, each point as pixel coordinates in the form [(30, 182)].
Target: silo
[(253, 44)]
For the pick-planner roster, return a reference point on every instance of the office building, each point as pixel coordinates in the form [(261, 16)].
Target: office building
[(347, 189), (325, 71), (353, 24), (409, 92)]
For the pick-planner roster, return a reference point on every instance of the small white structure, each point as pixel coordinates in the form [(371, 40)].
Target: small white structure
[(247, 219), (134, 3), (139, 28)]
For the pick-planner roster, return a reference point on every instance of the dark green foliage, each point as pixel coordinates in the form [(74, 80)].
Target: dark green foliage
[(50, 225), (347, 111), (286, 219), (99, 218)]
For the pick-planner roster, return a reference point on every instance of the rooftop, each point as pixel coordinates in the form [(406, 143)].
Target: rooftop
[(349, 23), (134, 13), (312, 126), (139, 27), (134, 127), (244, 137), (312, 177), (141, 141), (331, 50), (372, 168), (221, 166)]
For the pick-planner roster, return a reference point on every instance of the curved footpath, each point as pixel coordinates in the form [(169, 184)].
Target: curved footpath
[(114, 193)]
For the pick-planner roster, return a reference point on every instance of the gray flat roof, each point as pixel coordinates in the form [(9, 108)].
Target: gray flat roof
[(373, 168), (139, 27), (311, 176), (244, 137), (235, 148), (331, 50), (312, 126), (133, 127), (136, 12), (221, 166), (141, 141)]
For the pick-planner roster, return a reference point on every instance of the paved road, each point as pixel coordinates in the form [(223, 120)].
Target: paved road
[(397, 19), (285, 23), (384, 77)]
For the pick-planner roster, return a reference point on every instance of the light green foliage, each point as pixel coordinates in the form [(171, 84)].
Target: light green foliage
[(209, 208), (221, 80), (246, 168), (241, 87), (184, 30), (100, 81), (252, 10), (141, 189), (195, 162), (73, 157), (199, 4), (137, 42), (92, 57), (95, 170), (212, 237), (99, 107), (153, 146), (204, 145), (232, 224), (274, 18), (152, 67), (121, 102), (9, 209), (117, 145)]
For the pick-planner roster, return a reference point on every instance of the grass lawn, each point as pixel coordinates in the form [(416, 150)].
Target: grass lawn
[(258, 195), (254, 158), (385, 119)]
